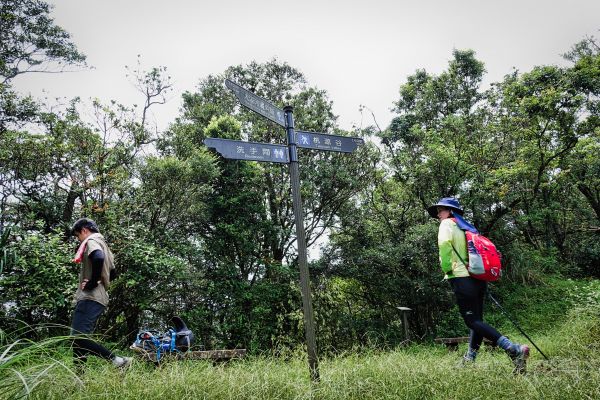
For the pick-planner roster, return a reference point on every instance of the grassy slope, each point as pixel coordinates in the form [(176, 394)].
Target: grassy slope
[(416, 372), (541, 307)]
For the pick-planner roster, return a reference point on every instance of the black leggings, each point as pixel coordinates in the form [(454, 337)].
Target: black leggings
[(469, 294), (85, 316)]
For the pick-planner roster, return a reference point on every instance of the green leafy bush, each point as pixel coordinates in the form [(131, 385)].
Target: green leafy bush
[(38, 285)]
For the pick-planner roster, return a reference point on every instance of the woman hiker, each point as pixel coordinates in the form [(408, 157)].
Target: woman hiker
[(469, 291)]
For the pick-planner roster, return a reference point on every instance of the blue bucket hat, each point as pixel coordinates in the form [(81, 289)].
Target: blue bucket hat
[(449, 202)]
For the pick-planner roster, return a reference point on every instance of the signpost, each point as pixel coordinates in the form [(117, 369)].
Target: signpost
[(250, 151), (256, 104), (322, 141), (267, 152)]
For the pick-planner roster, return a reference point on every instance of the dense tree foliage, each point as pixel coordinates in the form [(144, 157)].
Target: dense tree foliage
[(521, 156), (29, 42), (247, 238), (214, 240)]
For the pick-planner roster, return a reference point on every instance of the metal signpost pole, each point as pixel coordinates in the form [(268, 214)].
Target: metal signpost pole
[(309, 319), (269, 152)]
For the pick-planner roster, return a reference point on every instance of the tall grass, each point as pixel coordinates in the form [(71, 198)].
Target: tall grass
[(25, 364), (39, 371), (415, 372)]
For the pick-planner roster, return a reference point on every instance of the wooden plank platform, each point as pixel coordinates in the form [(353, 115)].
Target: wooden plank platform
[(216, 355)]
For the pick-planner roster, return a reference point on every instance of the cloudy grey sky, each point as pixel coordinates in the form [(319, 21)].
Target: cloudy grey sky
[(360, 52)]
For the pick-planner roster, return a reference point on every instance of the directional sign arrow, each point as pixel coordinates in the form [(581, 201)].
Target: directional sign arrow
[(323, 141), (256, 104), (249, 151)]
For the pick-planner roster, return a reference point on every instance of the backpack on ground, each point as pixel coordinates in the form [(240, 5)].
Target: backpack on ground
[(484, 259), (178, 339)]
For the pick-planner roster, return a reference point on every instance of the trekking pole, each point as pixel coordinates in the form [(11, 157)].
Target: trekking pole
[(515, 324)]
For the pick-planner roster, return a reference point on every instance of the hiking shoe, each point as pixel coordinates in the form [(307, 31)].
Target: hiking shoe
[(466, 362), (519, 358), (122, 362)]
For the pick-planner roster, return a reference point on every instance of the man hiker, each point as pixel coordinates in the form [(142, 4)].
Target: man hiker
[(469, 292), (91, 298)]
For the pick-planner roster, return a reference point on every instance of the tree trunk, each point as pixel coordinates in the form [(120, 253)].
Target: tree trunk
[(132, 317), (593, 201), (67, 214)]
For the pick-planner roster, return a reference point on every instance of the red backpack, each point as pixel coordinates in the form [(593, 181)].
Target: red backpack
[(484, 259)]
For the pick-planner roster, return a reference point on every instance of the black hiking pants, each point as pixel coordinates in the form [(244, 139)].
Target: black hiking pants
[(469, 294), (85, 316)]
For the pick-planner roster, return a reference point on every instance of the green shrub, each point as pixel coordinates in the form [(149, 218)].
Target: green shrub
[(38, 285)]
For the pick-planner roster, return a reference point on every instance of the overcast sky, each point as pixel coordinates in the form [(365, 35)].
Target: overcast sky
[(360, 52)]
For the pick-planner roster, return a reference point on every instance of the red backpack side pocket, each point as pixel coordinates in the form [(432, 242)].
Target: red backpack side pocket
[(484, 259)]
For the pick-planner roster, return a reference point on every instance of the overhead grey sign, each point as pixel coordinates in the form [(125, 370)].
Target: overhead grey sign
[(323, 141), (249, 151), (256, 104)]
